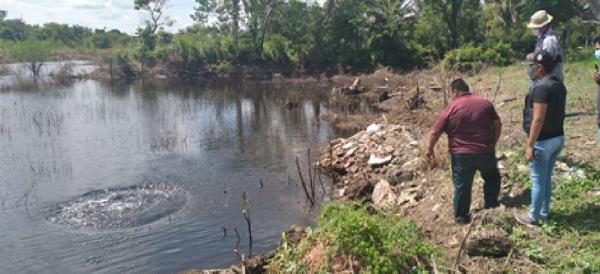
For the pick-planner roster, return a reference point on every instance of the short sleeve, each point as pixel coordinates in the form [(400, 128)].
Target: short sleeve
[(541, 94), (550, 45), (442, 121)]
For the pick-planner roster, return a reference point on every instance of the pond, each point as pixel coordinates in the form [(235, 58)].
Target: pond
[(148, 178)]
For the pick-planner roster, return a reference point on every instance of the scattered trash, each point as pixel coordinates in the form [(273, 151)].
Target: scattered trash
[(374, 160)]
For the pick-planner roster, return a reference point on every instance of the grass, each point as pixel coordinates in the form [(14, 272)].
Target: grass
[(570, 241), (379, 243), (515, 82)]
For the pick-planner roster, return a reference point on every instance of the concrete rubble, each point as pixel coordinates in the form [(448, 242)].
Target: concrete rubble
[(373, 163)]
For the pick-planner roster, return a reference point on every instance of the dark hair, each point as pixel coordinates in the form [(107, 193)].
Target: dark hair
[(546, 60), (459, 85), (597, 39)]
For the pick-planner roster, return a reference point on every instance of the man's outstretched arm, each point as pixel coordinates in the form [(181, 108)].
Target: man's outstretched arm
[(497, 124), (434, 137)]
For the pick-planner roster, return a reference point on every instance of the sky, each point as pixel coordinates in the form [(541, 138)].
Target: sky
[(95, 14)]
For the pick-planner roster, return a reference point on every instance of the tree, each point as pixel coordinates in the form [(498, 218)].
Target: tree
[(255, 15), (2, 15), (459, 18), (32, 53), (156, 11), (14, 29), (389, 27)]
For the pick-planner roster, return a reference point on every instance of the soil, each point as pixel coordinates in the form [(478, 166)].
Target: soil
[(422, 191)]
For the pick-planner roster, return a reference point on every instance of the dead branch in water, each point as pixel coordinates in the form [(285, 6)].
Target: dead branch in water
[(246, 213), (310, 198), (312, 184), (239, 238), (321, 182)]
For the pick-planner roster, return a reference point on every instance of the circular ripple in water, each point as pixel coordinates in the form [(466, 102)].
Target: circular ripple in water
[(119, 208)]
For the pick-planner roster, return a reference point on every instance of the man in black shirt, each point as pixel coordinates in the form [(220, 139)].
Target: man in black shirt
[(543, 120)]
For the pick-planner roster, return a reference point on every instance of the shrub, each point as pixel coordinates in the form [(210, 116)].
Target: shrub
[(471, 57), (381, 243)]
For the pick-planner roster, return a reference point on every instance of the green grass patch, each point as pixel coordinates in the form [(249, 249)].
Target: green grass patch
[(382, 243), (570, 241)]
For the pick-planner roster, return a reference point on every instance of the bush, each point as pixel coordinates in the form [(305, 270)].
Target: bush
[(381, 243), (471, 57)]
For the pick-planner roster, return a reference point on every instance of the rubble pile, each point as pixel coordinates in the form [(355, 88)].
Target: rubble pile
[(373, 160)]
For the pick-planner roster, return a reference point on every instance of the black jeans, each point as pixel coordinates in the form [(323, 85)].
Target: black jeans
[(463, 171)]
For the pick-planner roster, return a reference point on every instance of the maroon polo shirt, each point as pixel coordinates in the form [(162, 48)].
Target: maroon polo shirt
[(468, 121)]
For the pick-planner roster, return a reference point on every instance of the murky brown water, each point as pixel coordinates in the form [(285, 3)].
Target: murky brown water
[(146, 178)]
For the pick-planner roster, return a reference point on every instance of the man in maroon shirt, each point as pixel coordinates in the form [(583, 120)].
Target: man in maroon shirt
[(473, 129)]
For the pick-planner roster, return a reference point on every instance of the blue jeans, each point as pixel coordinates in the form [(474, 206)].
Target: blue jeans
[(541, 167), (463, 171)]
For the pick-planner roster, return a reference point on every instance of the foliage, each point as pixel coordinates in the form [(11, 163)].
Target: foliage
[(382, 243), (157, 18), (453, 21), (472, 57), (353, 35), (33, 53)]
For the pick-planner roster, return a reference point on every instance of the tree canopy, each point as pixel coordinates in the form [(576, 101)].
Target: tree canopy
[(335, 34)]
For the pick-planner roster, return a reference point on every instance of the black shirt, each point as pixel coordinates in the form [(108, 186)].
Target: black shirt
[(552, 92)]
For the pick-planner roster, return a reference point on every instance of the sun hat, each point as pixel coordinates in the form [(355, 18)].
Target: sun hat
[(539, 19)]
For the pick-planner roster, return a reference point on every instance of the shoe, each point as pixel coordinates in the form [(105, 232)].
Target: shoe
[(523, 218), (543, 219)]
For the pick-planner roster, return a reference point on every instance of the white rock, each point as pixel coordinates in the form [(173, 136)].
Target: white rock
[(372, 128), (384, 196), (378, 161), (412, 164), (562, 166), (351, 152), (348, 145)]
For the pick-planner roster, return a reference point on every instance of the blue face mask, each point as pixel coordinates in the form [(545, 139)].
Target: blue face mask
[(597, 54)]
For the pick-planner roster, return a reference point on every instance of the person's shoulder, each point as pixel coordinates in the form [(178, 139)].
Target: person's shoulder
[(546, 83), (480, 99), (552, 83)]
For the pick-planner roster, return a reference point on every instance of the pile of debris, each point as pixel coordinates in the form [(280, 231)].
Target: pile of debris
[(374, 160)]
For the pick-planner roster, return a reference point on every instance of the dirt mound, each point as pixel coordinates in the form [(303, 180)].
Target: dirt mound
[(388, 152)]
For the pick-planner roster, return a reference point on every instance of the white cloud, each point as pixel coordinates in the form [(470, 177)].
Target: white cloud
[(107, 14)]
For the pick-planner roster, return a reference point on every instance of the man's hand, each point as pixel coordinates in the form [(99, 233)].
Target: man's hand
[(596, 76), (429, 155), (530, 153), (433, 139)]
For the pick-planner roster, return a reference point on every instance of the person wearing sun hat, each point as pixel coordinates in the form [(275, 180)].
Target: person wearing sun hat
[(547, 41)]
